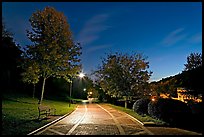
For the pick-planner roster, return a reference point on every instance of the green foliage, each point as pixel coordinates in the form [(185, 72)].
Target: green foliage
[(192, 79), (169, 110), (81, 87), (10, 58), (141, 106), (142, 118), (194, 60), (196, 108), (101, 94), (166, 86), (31, 74), (53, 49), (5, 32), (123, 75), (91, 88)]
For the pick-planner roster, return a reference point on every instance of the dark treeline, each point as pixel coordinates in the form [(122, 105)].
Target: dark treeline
[(190, 79), (11, 79), (10, 59)]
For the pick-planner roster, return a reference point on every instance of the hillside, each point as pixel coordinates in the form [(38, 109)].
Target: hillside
[(191, 80)]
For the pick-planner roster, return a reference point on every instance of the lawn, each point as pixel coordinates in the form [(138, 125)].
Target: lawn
[(20, 114), (144, 118)]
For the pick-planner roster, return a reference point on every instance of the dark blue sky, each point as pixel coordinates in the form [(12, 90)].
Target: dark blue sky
[(164, 32)]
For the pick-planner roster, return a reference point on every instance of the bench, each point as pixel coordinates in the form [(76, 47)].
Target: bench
[(45, 110), (73, 101)]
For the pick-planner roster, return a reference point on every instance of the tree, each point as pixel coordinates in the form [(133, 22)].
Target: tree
[(191, 80), (5, 32), (165, 86), (194, 60), (53, 50), (10, 57), (31, 74), (123, 75)]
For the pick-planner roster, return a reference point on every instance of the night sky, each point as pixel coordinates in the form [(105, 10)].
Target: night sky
[(164, 32)]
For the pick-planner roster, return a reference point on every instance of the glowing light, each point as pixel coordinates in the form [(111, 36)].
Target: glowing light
[(81, 75)]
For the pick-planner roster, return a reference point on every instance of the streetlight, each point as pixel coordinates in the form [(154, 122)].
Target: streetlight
[(81, 75), (90, 96)]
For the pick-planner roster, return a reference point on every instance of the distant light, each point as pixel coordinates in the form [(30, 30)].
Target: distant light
[(81, 75), (84, 89), (153, 99)]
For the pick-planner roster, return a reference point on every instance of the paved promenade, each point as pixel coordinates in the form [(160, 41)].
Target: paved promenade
[(101, 119)]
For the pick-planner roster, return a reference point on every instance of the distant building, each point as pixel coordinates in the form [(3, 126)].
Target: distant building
[(183, 95), (162, 95)]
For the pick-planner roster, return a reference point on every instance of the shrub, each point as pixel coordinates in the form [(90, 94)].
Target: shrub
[(169, 110), (197, 116), (196, 108), (141, 106)]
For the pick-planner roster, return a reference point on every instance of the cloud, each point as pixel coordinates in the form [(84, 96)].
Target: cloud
[(196, 38), (174, 37), (99, 47), (92, 29)]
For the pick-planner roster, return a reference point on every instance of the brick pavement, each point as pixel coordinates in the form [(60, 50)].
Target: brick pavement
[(95, 119)]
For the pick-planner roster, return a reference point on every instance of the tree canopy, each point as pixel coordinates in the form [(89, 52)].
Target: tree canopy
[(124, 75), (194, 60), (10, 57), (53, 51), (190, 79)]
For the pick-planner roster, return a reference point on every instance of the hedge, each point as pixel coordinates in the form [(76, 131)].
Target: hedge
[(141, 106), (169, 110)]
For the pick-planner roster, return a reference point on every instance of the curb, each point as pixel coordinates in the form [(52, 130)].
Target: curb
[(43, 127), (149, 124), (141, 123), (135, 119), (146, 124)]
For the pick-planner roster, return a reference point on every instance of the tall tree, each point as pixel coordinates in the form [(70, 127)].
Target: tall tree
[(53, 50), (123, 75), (194, 60), (10, 57)]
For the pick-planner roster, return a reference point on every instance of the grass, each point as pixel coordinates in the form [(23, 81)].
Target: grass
[(20, 114), (142, 118)]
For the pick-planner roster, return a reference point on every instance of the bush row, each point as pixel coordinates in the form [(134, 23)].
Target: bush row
[(141, 106), (169, 110)]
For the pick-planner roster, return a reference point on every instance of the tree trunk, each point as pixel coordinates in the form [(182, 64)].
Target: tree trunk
[(126, 97), (43, 87), (33, 90), (70, 93)]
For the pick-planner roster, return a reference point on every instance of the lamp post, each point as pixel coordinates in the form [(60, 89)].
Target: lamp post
[(70, 92), (81, 75)]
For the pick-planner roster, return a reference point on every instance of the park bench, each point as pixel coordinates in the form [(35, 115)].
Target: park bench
[(73, 101), (45, 110)]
